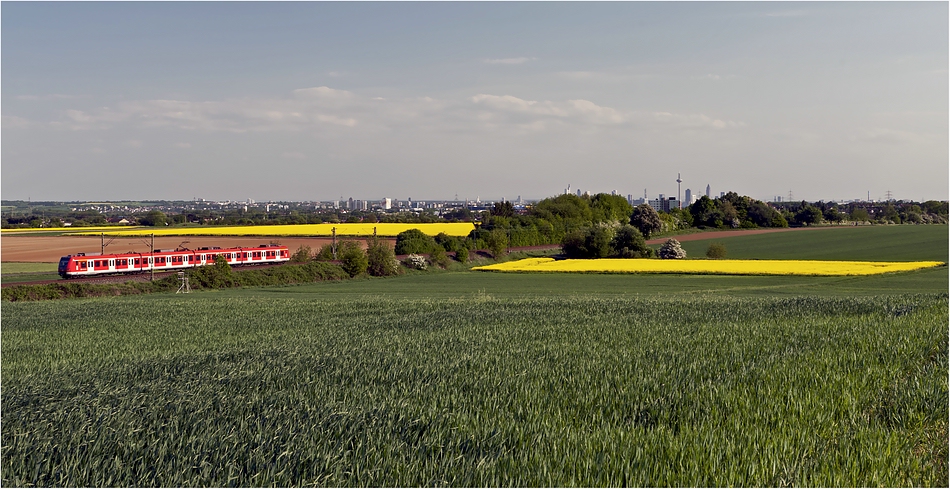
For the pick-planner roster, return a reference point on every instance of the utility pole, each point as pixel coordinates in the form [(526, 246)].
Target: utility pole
[(334, 243), (151, 266)]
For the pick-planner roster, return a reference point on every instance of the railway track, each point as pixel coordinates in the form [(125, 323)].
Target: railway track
[(144, 276), (122, 278)]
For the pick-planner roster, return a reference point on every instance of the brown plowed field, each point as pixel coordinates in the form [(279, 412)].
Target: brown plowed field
[(50, 249), (47, 249)]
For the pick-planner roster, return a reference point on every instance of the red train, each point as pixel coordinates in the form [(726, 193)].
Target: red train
[(88, 264)]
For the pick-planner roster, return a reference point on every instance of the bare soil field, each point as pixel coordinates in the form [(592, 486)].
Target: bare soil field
[(52, 248)]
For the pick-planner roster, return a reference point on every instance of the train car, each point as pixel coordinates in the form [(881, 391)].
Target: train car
[(93, 264)]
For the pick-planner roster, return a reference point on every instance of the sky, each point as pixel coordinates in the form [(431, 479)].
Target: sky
[(321, 101)]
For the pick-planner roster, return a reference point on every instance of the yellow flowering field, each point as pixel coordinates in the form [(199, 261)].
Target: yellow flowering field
[(714, 267), (86, 230), (343, 229)]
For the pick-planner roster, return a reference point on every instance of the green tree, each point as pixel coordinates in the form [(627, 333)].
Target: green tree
[(935, 207), (503, 209), (497, 242), (646, 219), (860, 214), (153, 218), (592, 242), (606, 207), (808, 214), (628, 242), (566, 206), (353, 258), (381, 261), (414, 241)]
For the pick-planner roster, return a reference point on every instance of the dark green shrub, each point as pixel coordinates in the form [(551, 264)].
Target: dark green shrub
[(628, 242), (497, 242), (415, 241), (381, 259), (215, 276), (593, 242), (352, 258), (716, 251), (303, 255), (325, 253)]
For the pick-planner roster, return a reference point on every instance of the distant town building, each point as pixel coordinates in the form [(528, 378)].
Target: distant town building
[(708, 192), (387, 203), (664, 203), (688, 198)]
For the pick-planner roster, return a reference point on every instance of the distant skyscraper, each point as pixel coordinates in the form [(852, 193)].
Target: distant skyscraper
[(689, 197), (708, 192)]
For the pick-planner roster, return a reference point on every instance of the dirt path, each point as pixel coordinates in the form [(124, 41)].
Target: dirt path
[(50, 249)]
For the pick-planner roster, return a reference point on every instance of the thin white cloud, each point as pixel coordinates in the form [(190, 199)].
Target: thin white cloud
[(327, 111), (891, 136), (508, 61), (133, 143), (14, 122), (183, 145), (323, 92), (585, 113)]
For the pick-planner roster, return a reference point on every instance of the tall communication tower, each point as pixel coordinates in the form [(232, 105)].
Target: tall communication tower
[(888, 194), (679, 181)]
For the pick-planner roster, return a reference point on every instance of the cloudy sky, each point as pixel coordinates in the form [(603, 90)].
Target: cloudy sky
[(317, 101)]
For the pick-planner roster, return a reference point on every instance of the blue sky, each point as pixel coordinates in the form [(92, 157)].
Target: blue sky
[(317, 101)]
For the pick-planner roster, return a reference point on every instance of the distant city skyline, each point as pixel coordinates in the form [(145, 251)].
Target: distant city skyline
[(308, 101)]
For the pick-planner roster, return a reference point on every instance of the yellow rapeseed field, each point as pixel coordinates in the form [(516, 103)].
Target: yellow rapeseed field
[(343, 229), (86, 230), (715, 267)]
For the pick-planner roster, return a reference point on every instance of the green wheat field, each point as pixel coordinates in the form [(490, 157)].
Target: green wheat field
[(473, 379)]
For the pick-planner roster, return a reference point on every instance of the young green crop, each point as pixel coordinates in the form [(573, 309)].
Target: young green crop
[(475, 390)]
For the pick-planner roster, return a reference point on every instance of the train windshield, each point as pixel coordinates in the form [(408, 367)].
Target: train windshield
[(63, 262)]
